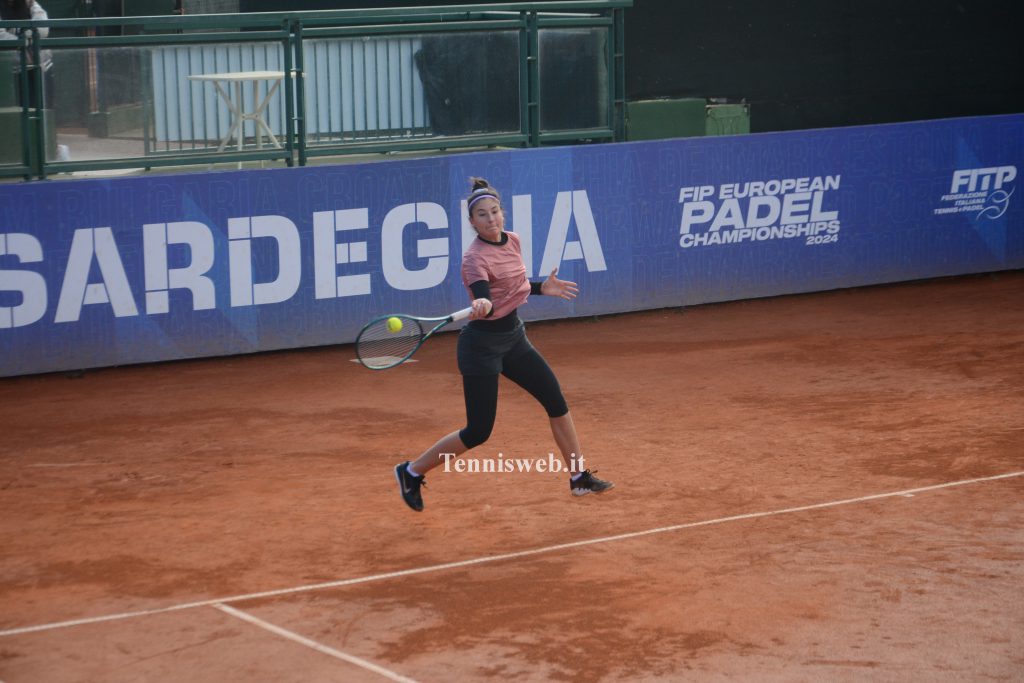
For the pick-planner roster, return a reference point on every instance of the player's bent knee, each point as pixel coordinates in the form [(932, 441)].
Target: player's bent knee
[(474, 436), (557, 408)]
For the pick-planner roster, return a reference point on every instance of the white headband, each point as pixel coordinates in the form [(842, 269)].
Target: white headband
[(480, 194)]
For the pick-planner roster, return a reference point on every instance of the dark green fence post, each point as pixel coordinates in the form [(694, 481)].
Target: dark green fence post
[(524, 76), (290, 46), (39, 129), (619, 74), (300, 91), (533, 78), (26, 114)]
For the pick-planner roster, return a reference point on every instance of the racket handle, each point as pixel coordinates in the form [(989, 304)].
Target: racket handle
[(461, 315)]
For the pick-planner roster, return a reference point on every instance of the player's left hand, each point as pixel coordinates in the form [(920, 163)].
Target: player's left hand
[(561, 288)]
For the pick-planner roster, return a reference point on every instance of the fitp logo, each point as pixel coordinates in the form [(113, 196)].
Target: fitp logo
[(980, 190)]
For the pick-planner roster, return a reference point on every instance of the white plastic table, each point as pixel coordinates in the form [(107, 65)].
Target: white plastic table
[(237, 108)]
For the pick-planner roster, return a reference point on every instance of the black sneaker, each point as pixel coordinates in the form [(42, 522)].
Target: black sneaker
[(409, 486), (588, 483)]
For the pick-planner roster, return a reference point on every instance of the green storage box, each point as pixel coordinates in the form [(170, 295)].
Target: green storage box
[(659, 119), (728, 119)]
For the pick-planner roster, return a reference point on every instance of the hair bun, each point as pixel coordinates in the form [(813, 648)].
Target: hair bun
[(479, 183)]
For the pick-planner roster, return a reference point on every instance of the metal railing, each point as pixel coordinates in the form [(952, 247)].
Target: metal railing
[(283, 87)]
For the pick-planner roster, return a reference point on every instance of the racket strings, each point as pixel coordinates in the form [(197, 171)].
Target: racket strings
[(379, 347)]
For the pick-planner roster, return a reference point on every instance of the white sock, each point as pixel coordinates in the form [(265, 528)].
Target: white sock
[(411, 471)]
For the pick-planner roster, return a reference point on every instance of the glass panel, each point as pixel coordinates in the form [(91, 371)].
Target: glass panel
[(127, 102), (360, 89), (402, 87), (573, 79), (10, 113)]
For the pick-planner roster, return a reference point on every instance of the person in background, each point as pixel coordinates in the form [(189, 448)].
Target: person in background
[(22, 10)]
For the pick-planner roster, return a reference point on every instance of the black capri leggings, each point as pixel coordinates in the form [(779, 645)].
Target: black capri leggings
[(530, 371)]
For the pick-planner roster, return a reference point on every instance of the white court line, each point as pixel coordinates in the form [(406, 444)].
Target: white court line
[(496, 558), (319, 647)]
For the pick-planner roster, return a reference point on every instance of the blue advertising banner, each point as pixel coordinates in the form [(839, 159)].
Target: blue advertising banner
[(128, 270)]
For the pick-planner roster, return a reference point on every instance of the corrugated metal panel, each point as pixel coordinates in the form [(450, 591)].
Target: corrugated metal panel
[(354, 88)]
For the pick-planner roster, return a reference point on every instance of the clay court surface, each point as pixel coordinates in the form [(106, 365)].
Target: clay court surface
[(809, 488)]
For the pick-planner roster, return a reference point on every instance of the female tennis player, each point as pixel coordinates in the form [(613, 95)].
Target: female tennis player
[(494, 343)]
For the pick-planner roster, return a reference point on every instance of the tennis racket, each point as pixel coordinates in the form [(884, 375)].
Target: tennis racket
[(391, 340)]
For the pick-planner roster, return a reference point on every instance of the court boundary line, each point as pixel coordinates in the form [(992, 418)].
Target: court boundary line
[(341, 583), (312, 644)]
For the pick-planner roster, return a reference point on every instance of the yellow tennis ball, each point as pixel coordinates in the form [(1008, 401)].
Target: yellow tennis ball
[(394, 325)]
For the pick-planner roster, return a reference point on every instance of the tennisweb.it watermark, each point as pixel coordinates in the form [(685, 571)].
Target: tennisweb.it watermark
[(503, 465)]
